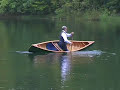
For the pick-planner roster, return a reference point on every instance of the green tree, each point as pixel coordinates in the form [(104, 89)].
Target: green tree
[(58, 6)]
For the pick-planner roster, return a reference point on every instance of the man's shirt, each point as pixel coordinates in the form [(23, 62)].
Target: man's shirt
[(65, 35)]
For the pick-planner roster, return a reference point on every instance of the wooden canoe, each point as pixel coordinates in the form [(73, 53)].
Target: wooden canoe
[(52, 46)]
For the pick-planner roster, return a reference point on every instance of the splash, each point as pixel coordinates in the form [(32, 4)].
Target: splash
[(88, 53), (23, 52)]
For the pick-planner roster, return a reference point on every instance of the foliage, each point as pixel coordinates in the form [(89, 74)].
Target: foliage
[(58, 6), (25, 6), (92, 9)]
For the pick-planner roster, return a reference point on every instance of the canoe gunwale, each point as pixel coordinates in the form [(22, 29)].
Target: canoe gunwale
[(44, 49)]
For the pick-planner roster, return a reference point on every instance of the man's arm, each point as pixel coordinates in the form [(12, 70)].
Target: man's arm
[(65, 38), (68, 35)]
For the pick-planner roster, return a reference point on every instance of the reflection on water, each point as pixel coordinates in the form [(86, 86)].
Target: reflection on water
[(65, 61), (65, 67)]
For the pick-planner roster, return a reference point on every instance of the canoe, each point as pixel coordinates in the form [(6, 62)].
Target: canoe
[(52, 46)]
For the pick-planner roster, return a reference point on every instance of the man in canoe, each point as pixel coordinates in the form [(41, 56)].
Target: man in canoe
[(63, 38)]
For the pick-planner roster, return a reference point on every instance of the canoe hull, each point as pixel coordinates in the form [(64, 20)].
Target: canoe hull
[(50, 47)]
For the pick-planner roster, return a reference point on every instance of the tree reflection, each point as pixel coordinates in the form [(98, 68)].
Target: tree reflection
[(63, 64), (62, 60)]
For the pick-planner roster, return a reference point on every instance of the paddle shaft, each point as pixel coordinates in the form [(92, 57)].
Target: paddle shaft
[(71, 42)]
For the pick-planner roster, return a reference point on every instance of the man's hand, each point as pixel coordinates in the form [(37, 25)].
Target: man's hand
[(72, 33), (71, 43)]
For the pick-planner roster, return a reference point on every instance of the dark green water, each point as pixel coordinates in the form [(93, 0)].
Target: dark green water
[(95, 68)]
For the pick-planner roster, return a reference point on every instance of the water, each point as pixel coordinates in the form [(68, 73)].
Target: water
[(94, 68)]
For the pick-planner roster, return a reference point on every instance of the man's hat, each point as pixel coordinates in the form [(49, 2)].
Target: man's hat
[(63, 27)]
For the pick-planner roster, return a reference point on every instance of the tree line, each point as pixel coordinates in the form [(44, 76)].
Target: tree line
[(45, 7)]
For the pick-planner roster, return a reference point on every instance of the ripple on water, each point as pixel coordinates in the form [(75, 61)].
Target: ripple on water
[(87, 53), (23, 52)]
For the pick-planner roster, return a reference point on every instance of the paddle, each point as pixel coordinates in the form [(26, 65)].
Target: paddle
[(71, 44)]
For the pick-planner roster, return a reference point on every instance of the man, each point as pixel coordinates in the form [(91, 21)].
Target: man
[(63, 38)]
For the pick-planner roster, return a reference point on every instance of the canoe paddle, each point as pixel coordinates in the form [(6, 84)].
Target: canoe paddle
[(71, 44)]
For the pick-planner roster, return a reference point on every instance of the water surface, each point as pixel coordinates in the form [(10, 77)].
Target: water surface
[(95, 68)]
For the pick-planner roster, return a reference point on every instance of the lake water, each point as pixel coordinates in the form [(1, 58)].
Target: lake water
[(95, 68)]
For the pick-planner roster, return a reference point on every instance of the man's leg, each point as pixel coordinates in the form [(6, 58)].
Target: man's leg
[(63, 46)]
